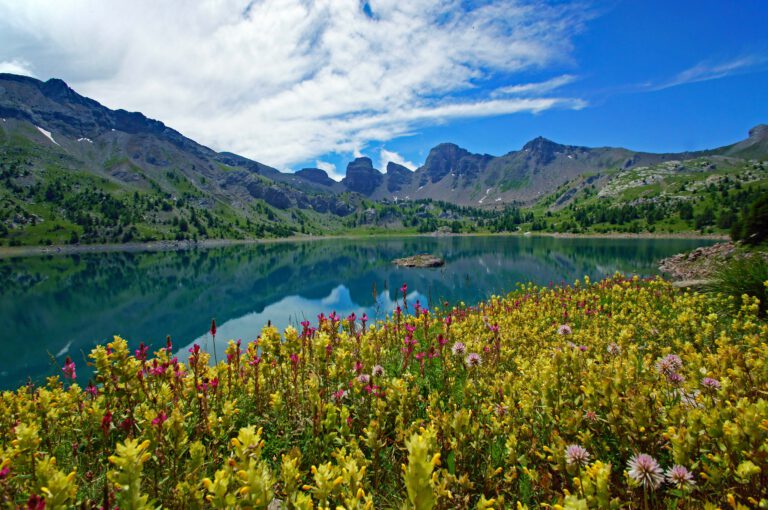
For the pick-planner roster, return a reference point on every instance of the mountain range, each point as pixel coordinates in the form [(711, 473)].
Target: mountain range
[(48, 129)]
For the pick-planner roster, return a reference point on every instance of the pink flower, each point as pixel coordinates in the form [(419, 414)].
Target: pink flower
[(141, 352), (669, 364), (69, 369), (160, 419), (474, 360), (294, 359), (378, 371), (564, 329), (679, 476), (645, 470), (106, 421), (576, 455), (364, 378), (5, 472), (339, 395), (675, 379), (358, 367), (458, 349), (710, 384), (92, 390)]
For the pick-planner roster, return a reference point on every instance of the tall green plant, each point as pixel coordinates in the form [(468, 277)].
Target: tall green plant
[(744, 275)]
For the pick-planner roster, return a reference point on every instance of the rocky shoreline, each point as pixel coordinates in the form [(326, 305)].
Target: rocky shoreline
[(698, 265)]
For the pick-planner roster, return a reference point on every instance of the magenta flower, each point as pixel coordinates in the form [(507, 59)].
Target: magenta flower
[(645, 470), (141, 352), (106, 421), (364, 319), (160, 419), (339, 395), (576, 455), (679, 476), (92, 390), (69, 369), (5, 472), (474, 360)]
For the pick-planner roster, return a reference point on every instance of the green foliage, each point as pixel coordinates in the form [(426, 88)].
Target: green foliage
[(744, 274)]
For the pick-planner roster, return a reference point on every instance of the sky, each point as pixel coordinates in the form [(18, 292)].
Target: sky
[(299, 83)]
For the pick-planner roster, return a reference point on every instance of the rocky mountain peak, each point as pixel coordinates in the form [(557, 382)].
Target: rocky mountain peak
[(759, 132), (316, 175), (542, 150), (362, 177)]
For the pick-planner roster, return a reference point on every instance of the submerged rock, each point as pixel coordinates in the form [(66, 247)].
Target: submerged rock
[(422, 260)]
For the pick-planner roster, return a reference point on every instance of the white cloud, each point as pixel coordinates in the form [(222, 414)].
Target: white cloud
[(525, 89), (16, 66), (330, 169), (386, 156), (705, 71), (284, 81)]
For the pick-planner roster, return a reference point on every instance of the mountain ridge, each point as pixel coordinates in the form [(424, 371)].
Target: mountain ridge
[(105, 174)]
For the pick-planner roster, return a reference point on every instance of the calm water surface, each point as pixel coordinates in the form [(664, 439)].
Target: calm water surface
[(53, 306)]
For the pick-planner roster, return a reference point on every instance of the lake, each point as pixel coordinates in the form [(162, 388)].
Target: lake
[(57, 305)]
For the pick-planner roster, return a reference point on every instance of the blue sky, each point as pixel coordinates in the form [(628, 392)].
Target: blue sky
[(628, 64), (295, 83)]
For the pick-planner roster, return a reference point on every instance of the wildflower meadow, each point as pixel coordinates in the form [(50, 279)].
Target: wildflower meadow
[(622, 393)]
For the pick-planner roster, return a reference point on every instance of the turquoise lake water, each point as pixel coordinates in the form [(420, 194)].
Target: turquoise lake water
[(57, 305)]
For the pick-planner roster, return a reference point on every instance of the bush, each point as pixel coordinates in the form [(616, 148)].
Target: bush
[(746, 274), (756, 221)]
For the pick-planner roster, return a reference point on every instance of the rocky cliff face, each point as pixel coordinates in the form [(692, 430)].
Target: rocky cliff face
[(362, 177)]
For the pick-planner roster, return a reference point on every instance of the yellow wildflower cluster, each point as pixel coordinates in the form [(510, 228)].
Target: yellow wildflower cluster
[(623, 393)]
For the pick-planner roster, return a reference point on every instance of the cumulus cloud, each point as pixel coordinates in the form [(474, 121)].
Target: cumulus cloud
[(330, 169), (284, 81), (386, 156)]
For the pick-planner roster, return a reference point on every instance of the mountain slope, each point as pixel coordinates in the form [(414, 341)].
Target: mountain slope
[(103, 175)]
